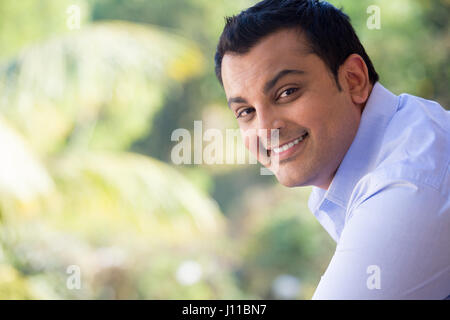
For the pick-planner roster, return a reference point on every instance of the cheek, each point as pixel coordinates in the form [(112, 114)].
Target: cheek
[(250, 140), (246, 137), (320, 112), (333, 133), (309, 108), (252, 143), (321, 119)]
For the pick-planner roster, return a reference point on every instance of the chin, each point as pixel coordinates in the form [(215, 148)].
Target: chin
[(292, 174), (289, 181), (289, 184)]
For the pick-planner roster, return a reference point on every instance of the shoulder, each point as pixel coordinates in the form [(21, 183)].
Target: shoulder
[(400, 187), (415, 146), (418, 126), (409, 178), (401, 227)]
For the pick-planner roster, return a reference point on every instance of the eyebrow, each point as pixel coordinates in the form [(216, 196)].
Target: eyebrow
[(236, 100), (269, 84)]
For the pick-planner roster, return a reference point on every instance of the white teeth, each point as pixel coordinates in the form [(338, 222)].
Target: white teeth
[(288, 145)]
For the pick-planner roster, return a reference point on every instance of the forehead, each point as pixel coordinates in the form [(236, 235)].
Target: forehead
[(284, 49)]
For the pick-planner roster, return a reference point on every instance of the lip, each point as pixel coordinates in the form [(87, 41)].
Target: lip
[(289, 152)]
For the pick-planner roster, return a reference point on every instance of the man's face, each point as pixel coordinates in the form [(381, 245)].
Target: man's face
[(280, 84)]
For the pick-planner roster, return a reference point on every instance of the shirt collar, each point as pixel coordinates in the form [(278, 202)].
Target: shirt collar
[(378, 111)]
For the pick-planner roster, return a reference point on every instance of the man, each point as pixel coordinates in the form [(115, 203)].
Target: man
[(378, 163)]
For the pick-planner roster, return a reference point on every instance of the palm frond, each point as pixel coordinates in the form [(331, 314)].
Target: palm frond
[(98, 87)]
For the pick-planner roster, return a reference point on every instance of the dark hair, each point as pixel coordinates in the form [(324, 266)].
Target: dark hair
[(327, 29)]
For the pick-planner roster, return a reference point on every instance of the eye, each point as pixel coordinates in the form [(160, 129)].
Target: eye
[(244, 112), (287, 92)]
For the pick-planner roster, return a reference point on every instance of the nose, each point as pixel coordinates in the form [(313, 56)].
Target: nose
[(269, 121)]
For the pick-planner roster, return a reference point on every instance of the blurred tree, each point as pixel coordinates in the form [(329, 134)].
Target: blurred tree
[(411, 49), (277, 235), (22, 24), (126, 220), (116, 217), (103, 87)]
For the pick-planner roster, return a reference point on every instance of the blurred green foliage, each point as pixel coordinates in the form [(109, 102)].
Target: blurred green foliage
[(86, 178)]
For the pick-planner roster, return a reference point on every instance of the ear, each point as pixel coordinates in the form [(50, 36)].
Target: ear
[(355, 77)]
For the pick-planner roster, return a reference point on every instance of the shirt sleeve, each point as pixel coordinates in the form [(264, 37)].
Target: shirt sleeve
[(395, 245)]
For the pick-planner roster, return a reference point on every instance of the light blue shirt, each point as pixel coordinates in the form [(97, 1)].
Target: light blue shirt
[(388, 206)]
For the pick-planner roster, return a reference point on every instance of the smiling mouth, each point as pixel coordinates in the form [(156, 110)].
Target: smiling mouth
[(286, 147)]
